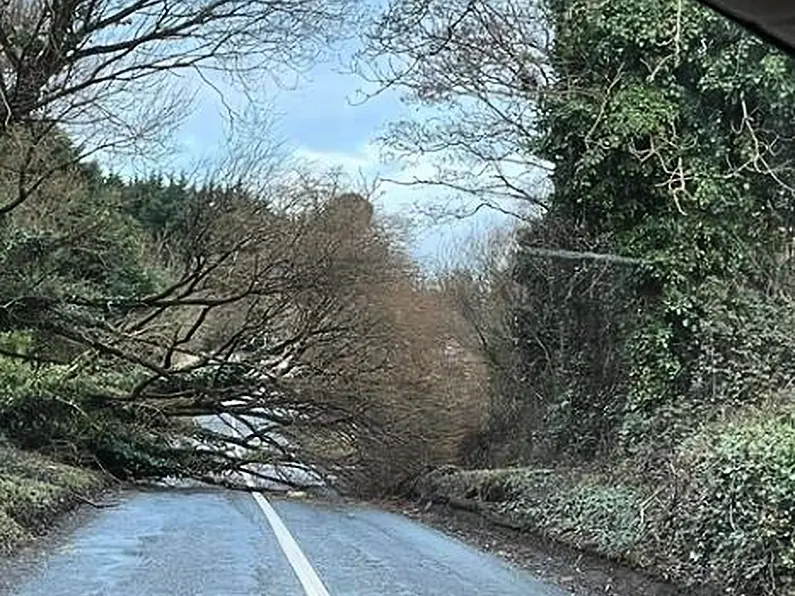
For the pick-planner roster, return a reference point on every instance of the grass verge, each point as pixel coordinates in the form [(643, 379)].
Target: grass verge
[(717, 513), (34, 490)]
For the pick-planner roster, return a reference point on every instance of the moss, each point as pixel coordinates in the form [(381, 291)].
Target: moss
[(34, 491)]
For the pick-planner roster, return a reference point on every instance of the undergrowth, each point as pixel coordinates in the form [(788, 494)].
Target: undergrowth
[(34, 490), (720, 514)]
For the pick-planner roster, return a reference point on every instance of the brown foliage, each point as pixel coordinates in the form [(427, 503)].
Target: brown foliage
[(297, 316)]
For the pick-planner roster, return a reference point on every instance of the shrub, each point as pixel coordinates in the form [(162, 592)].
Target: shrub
[(735, 521), (68, 412)]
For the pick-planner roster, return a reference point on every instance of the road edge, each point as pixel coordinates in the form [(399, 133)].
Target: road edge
[(581, 573)]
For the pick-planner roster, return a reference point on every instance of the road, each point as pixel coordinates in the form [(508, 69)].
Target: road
[(223, 543)]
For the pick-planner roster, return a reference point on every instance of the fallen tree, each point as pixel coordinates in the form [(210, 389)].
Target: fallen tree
[(311, 337)]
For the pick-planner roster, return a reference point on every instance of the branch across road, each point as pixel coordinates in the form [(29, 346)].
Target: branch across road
[(310, 582), (219, 543)]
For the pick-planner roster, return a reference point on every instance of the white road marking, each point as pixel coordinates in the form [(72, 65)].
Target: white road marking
[(309, 579), (311, 582)]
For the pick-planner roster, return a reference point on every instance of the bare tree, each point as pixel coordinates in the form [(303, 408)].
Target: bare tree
[(475, 69), (477, 285), (113, 71), (270, 316), (64, 59), (289, 312)]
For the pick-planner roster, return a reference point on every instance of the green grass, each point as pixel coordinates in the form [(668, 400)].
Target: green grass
[(34, 491)]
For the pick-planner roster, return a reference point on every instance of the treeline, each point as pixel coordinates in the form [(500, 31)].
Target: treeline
[(635, 330), (129, 310), (640, 331)]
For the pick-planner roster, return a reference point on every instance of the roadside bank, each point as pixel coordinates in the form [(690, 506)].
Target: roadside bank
[(35, 491), (661, 531)]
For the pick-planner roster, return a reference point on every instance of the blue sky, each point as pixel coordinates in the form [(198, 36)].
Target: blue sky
[(320, 118)]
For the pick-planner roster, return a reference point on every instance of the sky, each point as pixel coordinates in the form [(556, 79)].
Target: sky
[(319, 118)]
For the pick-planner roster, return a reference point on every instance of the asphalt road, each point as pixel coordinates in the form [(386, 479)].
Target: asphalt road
[(220, 543)]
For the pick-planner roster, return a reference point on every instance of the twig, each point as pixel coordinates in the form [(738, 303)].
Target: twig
[(88, 501)]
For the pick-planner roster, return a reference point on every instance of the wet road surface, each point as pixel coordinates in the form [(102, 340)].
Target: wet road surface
[(218, 543)]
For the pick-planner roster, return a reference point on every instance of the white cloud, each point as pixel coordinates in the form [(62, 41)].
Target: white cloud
[(364, 167), (363, 162)]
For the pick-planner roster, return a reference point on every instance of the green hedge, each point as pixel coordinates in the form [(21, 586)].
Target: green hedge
[(721, 512)]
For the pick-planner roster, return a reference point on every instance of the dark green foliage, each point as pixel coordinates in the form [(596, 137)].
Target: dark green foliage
[(68, 411), (734, 520), (70, 254), (670, 139), (163, 207), (175, 212), (110, 254)]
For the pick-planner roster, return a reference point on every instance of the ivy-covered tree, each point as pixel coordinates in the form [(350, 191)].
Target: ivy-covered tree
[(666, 133), (670, 130)]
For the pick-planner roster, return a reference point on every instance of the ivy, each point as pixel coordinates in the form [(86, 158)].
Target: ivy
[(669, 136)]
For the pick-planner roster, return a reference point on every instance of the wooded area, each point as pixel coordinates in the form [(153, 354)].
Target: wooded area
[(640, 335), (132, 307)]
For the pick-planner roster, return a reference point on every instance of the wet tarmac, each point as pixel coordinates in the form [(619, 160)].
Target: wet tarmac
[(219, 543)]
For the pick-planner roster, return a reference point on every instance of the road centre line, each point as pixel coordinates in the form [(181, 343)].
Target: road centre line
[(310, 581)]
